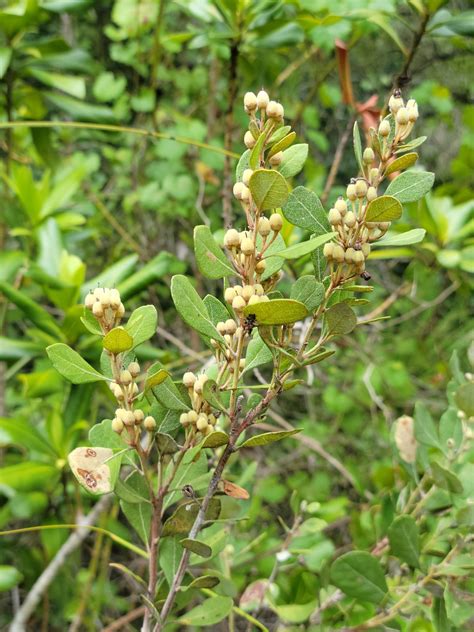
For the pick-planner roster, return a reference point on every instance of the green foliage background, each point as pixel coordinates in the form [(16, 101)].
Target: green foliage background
[(82, 206)]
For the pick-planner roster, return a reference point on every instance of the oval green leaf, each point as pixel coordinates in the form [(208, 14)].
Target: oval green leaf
[(196, 546), (408, 238), (300, 250), (118, 340), (268, 188), (360, 575), (215, 439), (402, 163), (268, 437), (383, 209), (411, 186), (71, 365), (404, 538), (210, 259), (281, 311), (340, 319)]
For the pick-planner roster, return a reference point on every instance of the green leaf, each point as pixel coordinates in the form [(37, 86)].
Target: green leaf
[(450, 427), (215, 439), (154, 270), (117, 340), (196, 546), (205, 581), (445, 479), (383, 209), (268, 188), (274, 263), (257, 353), (103, 436), (268, 437), (28, 476), (142, 324), (210, 259), (410, 186), (183, 518), (425, 430), (217, 311), (293, 160), (280, 311), (166, 392), (21, 433), (360, 575), (9, 577), (319, 262), (191, 308), (357, 146), (5, 56), (112, 275), (404, 538), (416, 142), (165, 444), (408, 238), (340, 319), (294, 612), (280, 133), (242, 165), (402, 163), (138, 514), (439, 616), (254, 157), (212, 394), (309, 291), (300, 250), (71, 365), (155, 379), (282, 144), (210, 612), (464, 398), (304, 209), (72, 85), (31, 309), (192, 471), (107, 87), (90, 323)]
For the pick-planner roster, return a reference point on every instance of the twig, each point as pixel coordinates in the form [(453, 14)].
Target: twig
[(425, 305), (113, 222), (178, 343), (44, 580), (403, 78), (337, 159), (119, 624)]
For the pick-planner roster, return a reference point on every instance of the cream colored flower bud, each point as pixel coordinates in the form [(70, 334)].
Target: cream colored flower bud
[(238, 290), (134, 369), (115, 300), (125, 378), (280, 112), (247, 292), (351, 192), (119, 413), (358, 257), (199, 383), (134, 389), (238, 303), (405, 438), (202, 423), (366, 250), (149, 423), (128, 418), (412, 114), (368, 156), (189, 379), (246, 176), (89, 300), (247, 246), (118, 393), (361, 188), (338, 253), (276, 159), (242, 364), (384, 225), (349, 255), (221, 328), (374, 175), (264, 228), (334, 217), (411, 103), (402, 116), (328, 250), (230, 326), (192, 416), (117, 425), (237, 190), (245, 195), (262, 100), (272, 109), (139, 416), (260, 267), (120, 310), (250, 101), (98, 293), (371, 194), (105, 299), (98, 310), (212, 419), (229, 295), (259, 291), (249, 140), (384, 128), (253, 300), (350, 219), (341, 205), (395, 103), (276, 222), (184, 419)]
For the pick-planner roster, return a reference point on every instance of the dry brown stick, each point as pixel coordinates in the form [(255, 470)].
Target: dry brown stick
[(337, 159), (119, 624)]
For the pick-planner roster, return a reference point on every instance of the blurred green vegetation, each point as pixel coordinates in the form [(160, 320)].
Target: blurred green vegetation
[(82, 206)]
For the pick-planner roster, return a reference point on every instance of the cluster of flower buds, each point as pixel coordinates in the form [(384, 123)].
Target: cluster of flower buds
[(261, 102), (405, 116), (200, 417), (125, 387), (239, 296), (106, 305), (132, 419)]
